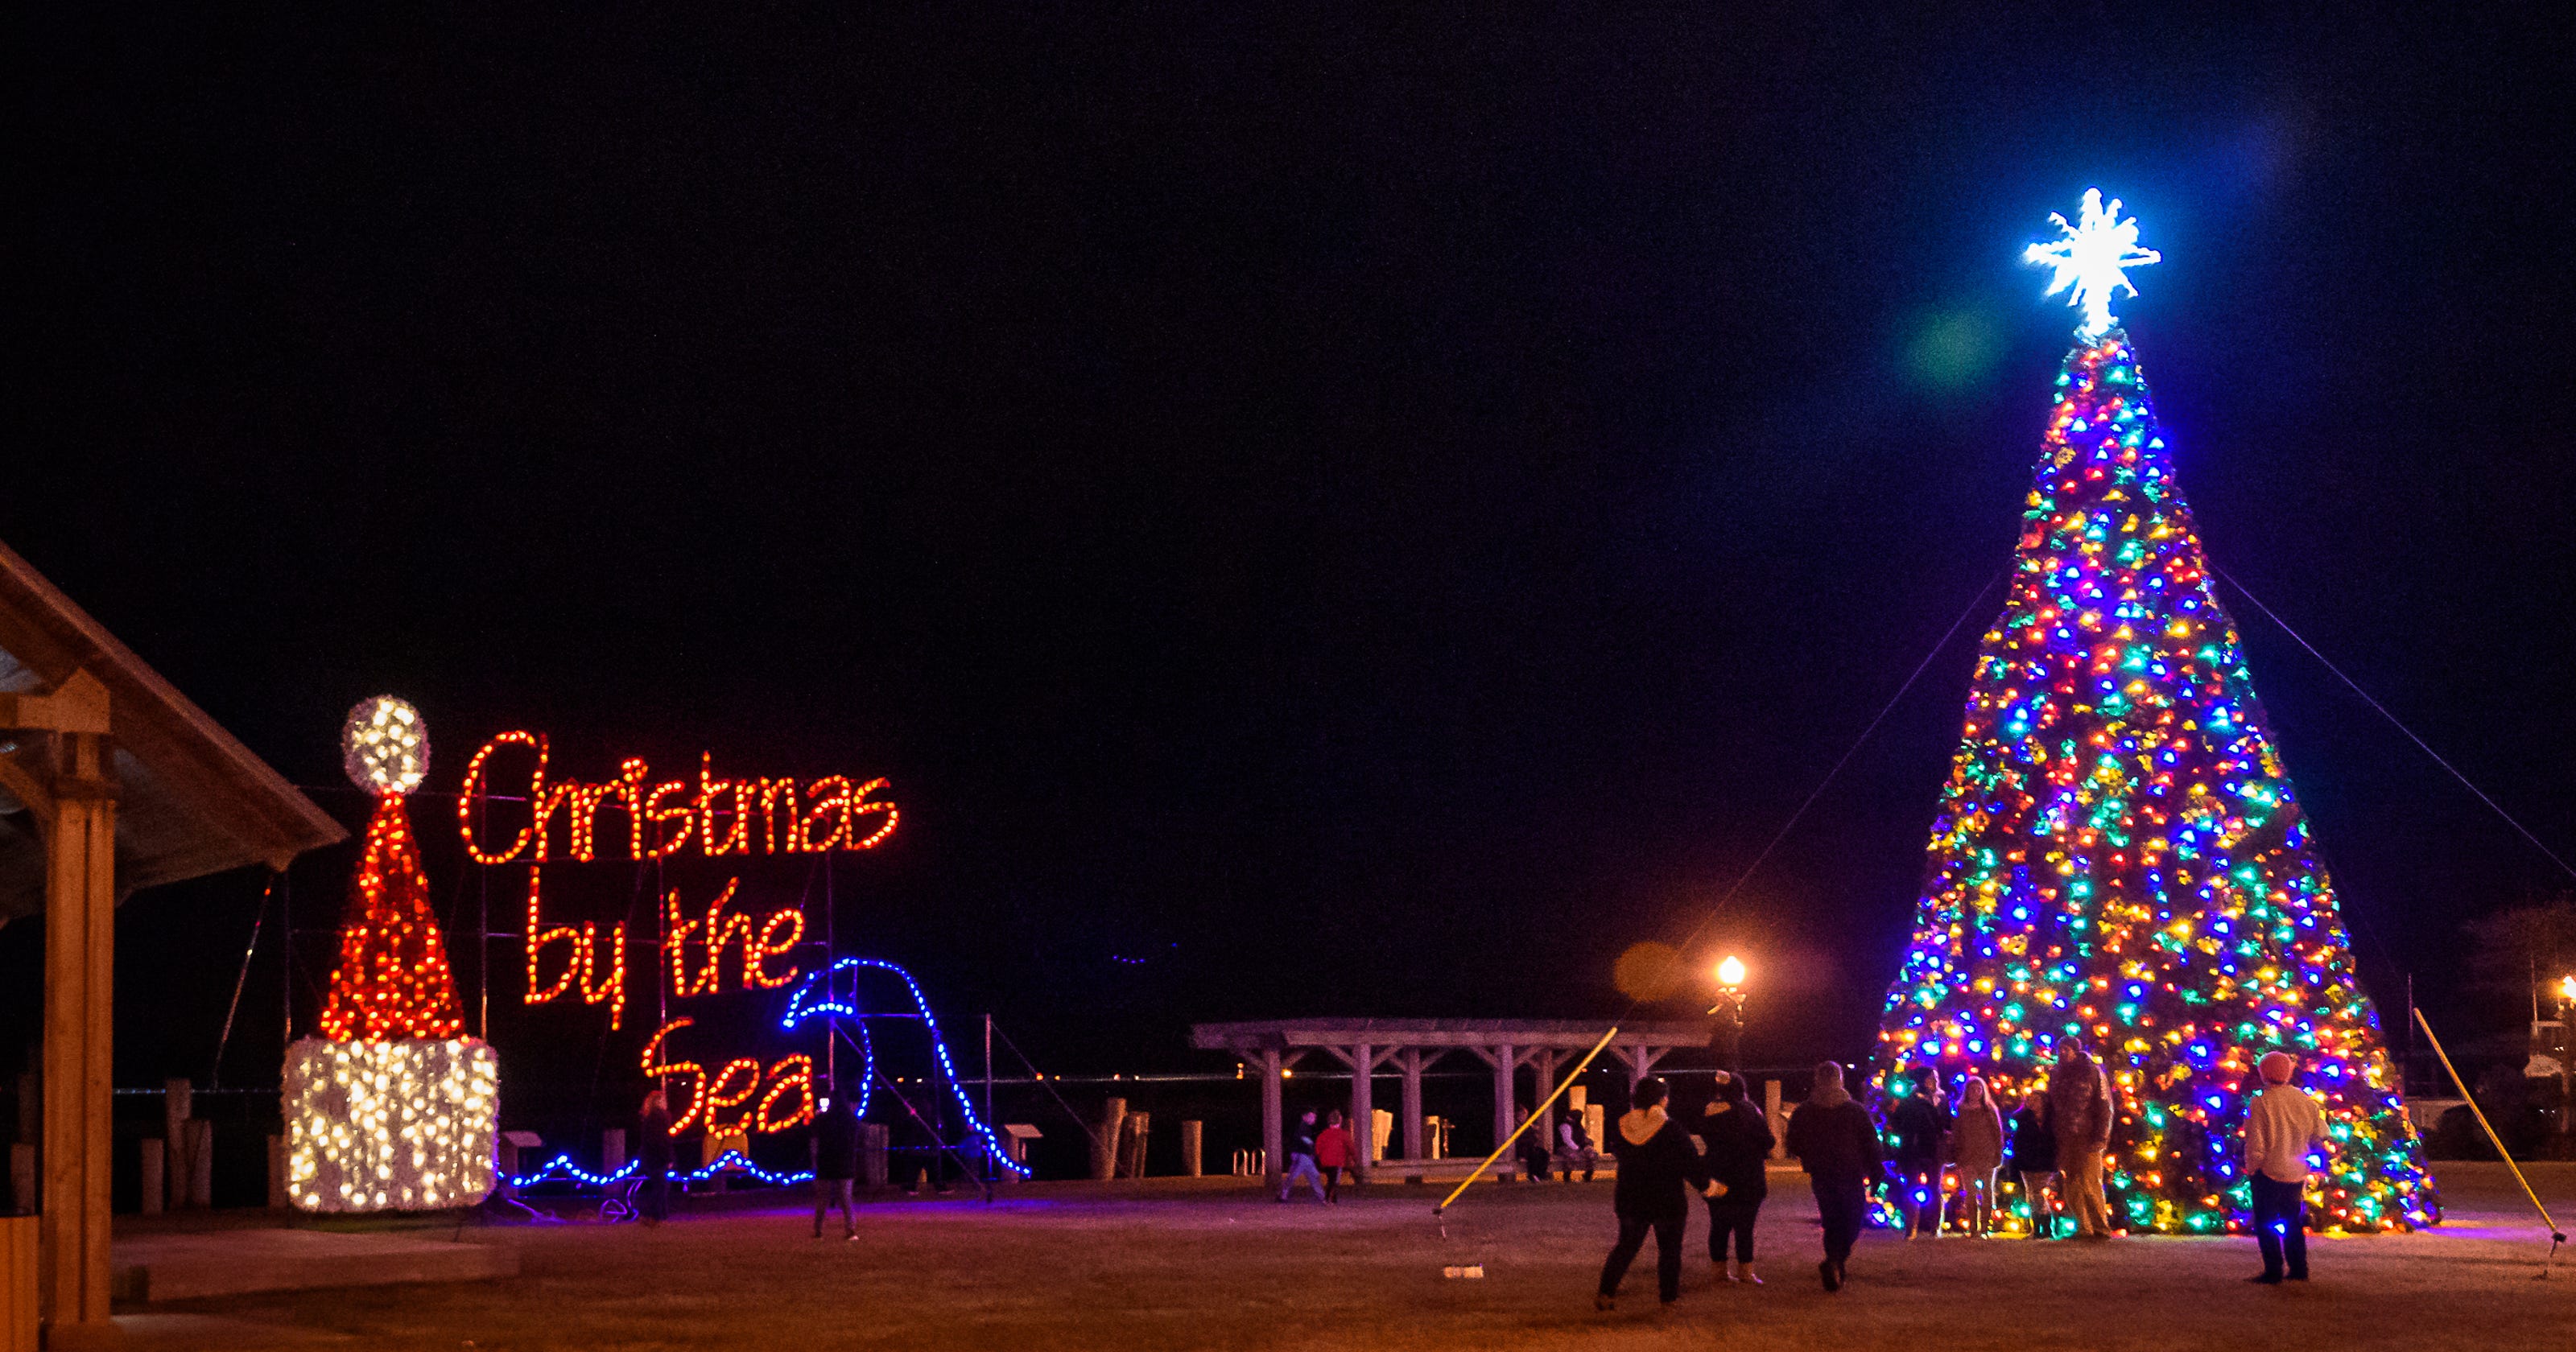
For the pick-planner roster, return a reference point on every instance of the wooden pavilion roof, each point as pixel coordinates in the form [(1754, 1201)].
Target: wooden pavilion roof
[(191, 800)]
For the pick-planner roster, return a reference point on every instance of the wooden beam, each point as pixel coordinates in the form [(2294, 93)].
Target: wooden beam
[(1411, 1060), (80, 1004)]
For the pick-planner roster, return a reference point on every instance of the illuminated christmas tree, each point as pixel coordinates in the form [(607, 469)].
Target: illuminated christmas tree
[(2118, 856), (393, 980), (390, 1108)]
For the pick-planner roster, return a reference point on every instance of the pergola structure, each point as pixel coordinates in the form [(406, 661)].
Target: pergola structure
[(110, 782), (1368, 1046)]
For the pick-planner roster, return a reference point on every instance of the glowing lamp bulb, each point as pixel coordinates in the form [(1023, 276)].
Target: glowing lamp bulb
[(2567, 988), (2091, 260), (1730, 971), (384, 746)]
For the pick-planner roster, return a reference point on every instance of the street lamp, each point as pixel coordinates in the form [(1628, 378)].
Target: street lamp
[(1729, 1010), (2563, 1050)]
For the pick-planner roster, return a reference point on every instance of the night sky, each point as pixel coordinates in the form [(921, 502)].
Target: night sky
[(1356, 513)]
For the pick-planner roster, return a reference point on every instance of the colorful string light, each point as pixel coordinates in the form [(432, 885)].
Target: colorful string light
[(2119, 857)]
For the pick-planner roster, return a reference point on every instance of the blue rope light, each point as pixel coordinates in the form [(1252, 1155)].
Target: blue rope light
[(798, 1011), (562, 1169)]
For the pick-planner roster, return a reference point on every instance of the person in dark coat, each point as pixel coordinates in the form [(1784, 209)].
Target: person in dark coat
[(1739, 1142), (1837, 1144), (1534, 1155), (653, 1128), (1301, 1158), (1656, 1158), (2034, 1160), (836, 1163), (1919, 1121)]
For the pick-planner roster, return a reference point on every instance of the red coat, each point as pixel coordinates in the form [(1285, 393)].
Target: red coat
[(1333, 1148)]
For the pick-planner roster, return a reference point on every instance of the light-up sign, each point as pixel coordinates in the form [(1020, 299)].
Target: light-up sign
[(510, 812), (832, 813)]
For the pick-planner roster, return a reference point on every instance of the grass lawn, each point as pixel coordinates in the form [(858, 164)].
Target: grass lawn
[(1212, 1264)]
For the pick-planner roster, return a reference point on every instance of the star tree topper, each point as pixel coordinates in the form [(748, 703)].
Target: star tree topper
[(2093, 258)]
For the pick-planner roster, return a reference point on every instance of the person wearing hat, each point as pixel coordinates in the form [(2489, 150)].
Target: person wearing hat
[(2282, 1125), (1656, 1158)]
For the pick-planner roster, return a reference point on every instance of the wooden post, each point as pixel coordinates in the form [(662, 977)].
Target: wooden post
[(1274, 1135), (1411, 1061), (178, 1107), (31, 1129), (1138, 1128), (1640, 1060), (18, 1283), (1506, 1061), (201, 1164), (277, 1198), (612, 1149), (1193, 1141), (153, 1165), (1544, 1061), (22, 1176), (1104, 1140), (1362, 1062), (80, 1009)]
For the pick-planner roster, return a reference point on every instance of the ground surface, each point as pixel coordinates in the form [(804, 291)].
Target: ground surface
[(1212, 1265)]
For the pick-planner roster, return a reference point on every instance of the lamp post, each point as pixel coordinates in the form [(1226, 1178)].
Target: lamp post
[(2566, 1053), (1729, 1012)]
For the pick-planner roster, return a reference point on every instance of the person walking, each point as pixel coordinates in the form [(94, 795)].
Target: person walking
[(2079, 1111), (1301, 1158), (1334, 1152), (2034, 1161), (2282, 1125), (1574, 1146), (836, 1163), (653, 1130), (1837, 1145), (1919, 1121), (1977, 1151), (1739, 1141), (1656, 1158)]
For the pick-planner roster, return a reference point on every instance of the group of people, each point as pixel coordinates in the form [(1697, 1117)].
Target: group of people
[(1318, 1157), (2057, 1138), (1574, 1151)]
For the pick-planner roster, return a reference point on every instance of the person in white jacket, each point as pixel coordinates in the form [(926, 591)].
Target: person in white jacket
[(2282, 1125)]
